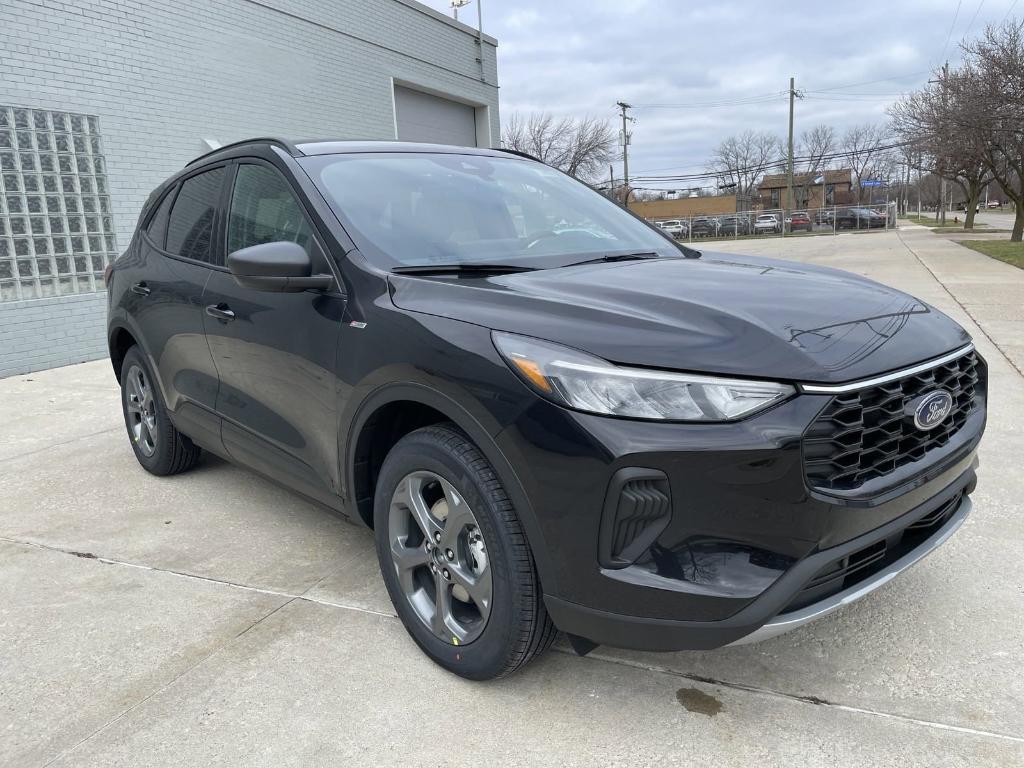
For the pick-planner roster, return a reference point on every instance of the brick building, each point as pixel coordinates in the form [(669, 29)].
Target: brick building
[(810, 190), (100, 100)]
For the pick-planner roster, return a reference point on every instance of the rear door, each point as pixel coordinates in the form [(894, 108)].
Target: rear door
[(275, 352), (177, 246)]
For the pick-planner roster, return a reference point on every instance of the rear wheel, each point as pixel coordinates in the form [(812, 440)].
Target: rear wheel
[(454, 557), (160, 448)]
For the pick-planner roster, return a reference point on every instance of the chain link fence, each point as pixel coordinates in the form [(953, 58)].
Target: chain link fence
[(778, 222)]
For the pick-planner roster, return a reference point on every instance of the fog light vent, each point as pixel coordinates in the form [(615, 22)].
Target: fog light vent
[(637, 508)]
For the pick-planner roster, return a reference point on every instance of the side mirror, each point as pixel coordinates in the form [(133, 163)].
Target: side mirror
[(279, 267)]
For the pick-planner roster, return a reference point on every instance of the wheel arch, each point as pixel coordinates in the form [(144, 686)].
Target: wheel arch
[(119, 341), (390, 413)]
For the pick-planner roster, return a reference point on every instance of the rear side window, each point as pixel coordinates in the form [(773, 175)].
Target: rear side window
[(264, 210), (190, 228), (157, 229)]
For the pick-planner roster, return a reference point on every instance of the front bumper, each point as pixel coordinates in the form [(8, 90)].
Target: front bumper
[(767, 616)]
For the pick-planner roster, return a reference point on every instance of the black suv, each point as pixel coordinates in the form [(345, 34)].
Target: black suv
[(551, 414)]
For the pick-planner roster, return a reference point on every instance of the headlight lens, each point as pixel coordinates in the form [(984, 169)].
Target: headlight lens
[(587, 383)]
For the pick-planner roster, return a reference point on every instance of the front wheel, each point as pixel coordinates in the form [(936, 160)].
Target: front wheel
[(455, 559)]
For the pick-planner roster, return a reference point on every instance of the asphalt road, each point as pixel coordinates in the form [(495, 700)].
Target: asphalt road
[(215, 619)]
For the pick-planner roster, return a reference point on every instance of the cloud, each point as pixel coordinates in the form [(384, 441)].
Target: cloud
[(579, 57)]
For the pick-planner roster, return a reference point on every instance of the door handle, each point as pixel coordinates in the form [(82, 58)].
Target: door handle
[(220, 311), (141, 288)]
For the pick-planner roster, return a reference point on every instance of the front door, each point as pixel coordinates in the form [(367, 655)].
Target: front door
[(275, 352)]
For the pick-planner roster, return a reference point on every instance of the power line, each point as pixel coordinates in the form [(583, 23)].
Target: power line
[(739, 101), (950, 33), (1007, 15), (975, 16), (871, 82)]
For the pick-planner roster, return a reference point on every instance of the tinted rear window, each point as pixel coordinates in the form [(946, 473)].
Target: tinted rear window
[(190, 229)]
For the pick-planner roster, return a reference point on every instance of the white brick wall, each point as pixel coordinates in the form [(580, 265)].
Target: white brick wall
[(46, 333), (164, 76)]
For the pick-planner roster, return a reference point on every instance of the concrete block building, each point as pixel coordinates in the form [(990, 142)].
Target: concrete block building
[(100, 100)]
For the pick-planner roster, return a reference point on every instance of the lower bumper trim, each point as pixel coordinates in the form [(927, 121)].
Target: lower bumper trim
[(790, 621)]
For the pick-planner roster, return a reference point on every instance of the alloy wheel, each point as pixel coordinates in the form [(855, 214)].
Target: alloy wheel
[(440, 557), (141, 407)]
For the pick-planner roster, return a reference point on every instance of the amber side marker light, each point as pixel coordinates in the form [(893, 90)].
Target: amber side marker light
[(532, 371)]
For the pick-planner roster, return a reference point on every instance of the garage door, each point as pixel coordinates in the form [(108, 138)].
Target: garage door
[(423, 117)]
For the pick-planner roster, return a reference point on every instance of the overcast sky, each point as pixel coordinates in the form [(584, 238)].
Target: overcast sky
[(851, 59)]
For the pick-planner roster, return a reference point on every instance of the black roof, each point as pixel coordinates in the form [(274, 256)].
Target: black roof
[(309, 147)]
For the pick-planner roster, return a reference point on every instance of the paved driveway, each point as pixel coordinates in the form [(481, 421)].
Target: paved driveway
[(214, 619)]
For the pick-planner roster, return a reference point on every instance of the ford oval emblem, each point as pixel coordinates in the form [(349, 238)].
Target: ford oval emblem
[(932, 409)]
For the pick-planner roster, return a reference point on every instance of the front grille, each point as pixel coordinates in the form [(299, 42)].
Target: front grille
[(865, 434)]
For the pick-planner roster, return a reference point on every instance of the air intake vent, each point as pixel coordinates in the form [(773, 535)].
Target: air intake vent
[(637, 508)]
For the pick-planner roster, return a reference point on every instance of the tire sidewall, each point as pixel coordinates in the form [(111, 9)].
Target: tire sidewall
[(485, 657), (159, 462)]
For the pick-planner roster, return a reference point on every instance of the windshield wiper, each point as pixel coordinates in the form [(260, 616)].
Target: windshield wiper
[(468, 268), (638, 256)]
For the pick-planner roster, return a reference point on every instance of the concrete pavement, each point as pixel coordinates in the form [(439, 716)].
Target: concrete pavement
[(215, 619)]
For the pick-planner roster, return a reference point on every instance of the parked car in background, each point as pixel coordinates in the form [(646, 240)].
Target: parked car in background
[(673, 227), (799, 221), (704, 226), (767, 223), (994, 204), (733, 225), (825, 216), (858, 218)]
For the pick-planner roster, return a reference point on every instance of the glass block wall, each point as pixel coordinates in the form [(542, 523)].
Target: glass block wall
[(56, 229)]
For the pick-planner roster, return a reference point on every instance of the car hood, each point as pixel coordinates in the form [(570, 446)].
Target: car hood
[(726, 314)]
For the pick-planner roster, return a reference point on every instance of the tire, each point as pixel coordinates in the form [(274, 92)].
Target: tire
[(160, 448), (440, 467)]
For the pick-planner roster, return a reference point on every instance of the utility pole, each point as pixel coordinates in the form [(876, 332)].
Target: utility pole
[(940, 212), (789, 166), (624, 107)]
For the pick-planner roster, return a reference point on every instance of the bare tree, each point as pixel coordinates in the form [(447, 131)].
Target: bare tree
[(864, 148), (815, 148), (580, 147), (935, 124), (742, 160), (996, 66)]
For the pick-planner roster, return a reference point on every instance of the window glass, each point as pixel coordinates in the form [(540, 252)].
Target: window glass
[(409, 209), (190, 228), (264, 210), (158, 224)]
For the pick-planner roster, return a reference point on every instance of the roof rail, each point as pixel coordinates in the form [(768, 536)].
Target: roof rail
[(519, 153), (286, 145)]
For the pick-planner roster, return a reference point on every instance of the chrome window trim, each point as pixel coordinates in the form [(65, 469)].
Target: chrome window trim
[(838, 389)]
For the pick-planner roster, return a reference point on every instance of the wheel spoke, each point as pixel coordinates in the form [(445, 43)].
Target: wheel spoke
[(478, 585), (410, 494), (459, 516), (132, 405), (408, 558), (445, 624)]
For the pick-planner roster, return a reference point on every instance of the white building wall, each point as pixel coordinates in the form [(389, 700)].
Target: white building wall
[(163, 76)]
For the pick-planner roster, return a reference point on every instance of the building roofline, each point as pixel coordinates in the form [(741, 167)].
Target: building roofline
[(428, 11)]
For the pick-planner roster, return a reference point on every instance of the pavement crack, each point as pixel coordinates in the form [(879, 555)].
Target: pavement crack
[(51, 446), (795, 697), (289, 598), (960, 304)]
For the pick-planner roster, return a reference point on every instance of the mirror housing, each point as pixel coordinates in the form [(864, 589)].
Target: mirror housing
[(278, 267)]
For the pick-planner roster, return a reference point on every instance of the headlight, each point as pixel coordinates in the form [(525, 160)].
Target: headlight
[(586, 383)]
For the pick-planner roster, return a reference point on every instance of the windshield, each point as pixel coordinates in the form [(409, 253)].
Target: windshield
[(413, 209)]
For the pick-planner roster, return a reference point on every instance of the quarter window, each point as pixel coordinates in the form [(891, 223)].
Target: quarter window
[(264, 210), (157, 229), (190, 228)]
